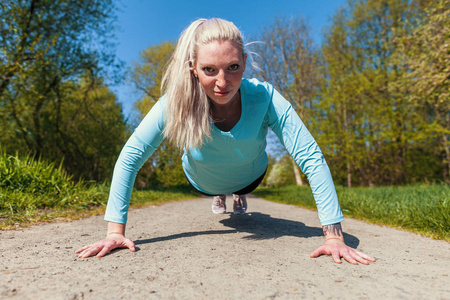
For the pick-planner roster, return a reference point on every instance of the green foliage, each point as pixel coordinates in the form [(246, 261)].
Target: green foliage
[(272, 161), (368, 129), (169, 171), (424, 209), (376, 97), (289, 61), (290, 194), (147, 74), (425, 55), (158, 194), (35, 191), (31, 176), (29, 187), (281, 173), (91, 130), (53, 56)]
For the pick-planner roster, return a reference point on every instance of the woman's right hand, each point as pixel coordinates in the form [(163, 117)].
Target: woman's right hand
[(101, 248), (115, 238)]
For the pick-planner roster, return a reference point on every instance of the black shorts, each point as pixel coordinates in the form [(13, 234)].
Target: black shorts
[(248, 189)]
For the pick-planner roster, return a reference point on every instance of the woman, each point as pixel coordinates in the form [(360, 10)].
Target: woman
[(221, 121)]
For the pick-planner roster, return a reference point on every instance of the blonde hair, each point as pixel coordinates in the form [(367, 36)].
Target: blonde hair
[(188, 111)]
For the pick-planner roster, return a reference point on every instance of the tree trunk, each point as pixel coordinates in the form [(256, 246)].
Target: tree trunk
[(298, 175), (347, 146), (349, 174), (446, 174)]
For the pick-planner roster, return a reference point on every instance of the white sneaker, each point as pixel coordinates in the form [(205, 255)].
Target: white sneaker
[(240, 204), (218, 204)]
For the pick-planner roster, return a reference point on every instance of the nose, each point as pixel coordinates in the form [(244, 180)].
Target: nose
[(221, 79)]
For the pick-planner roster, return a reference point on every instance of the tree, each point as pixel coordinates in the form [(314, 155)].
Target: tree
[(48, 48), (289, 61), (147, 74), (89, 129), (281, 173), (425, 54), (366, 124), (61, 35)]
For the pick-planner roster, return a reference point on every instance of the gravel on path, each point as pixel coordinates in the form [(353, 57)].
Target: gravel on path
[(184, 251)]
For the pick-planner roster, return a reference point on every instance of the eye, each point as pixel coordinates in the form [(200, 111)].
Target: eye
[(234, 67), (208, 70)]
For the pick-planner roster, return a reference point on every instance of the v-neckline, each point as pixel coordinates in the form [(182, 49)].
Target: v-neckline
[(240, 117)]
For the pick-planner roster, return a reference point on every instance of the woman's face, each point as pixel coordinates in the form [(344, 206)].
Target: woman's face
[(219, 67)]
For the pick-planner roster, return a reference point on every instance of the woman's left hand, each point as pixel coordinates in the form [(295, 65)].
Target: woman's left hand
[(337, 249)]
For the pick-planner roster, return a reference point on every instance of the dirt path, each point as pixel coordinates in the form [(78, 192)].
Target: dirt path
[(186, 252)]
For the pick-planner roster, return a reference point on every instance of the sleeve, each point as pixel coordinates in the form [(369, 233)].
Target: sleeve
[(140, 146), (300, 144)]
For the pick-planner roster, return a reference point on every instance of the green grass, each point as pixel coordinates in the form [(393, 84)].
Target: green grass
[(424, 209), (158, 194), (34, 191)]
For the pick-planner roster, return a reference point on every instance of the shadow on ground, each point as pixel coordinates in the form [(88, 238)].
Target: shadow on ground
[(263, 226), (259, 226)]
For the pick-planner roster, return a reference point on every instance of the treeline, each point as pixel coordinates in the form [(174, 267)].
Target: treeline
[(375, 93), (383, 114), (55, 56)]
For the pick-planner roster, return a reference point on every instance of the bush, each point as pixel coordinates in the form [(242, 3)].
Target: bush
[(281, 173), (30, 187)]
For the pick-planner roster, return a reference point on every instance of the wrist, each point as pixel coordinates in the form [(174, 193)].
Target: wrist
[(329, 239), (115, 229), (333, 232)]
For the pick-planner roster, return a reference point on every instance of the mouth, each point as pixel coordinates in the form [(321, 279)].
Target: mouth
[(221, 94)]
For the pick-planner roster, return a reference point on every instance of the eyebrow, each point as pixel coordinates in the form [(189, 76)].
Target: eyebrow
[(212, 64)]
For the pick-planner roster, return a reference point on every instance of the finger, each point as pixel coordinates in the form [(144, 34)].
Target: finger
[(359, 258), (104, 251), (129, 243), (82, 252), (318, 252), (362, 260), (82, 249), (90, 251), (365, 256), (336, 256), (86, 253), (350, 259)]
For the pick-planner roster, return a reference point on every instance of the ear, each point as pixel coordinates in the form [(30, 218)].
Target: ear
[(192, 68)]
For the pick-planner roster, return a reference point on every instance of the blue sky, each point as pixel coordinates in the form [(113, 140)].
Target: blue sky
[(143, 23)]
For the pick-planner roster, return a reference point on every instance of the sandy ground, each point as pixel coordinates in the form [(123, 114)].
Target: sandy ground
[(184, 251)]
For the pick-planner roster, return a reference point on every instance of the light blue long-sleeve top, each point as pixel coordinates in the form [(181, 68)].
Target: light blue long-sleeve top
[(231, 160)]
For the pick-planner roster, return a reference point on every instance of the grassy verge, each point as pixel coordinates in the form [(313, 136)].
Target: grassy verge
[(34, 191), (157, 194), (424, 209)]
